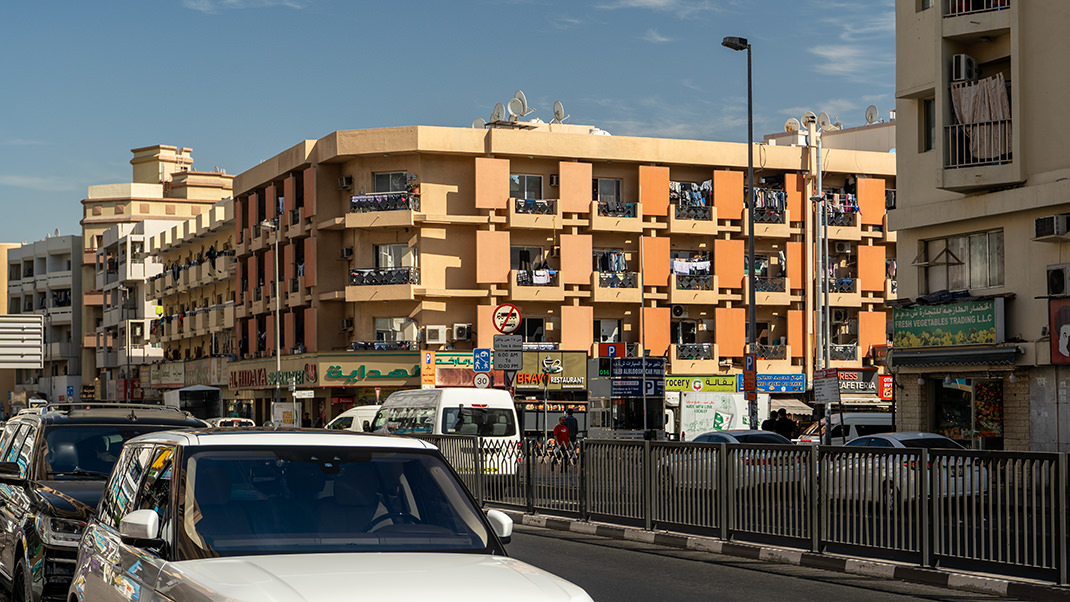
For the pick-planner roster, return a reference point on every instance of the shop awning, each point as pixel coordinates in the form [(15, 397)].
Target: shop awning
[(986, 356), (791, 405)]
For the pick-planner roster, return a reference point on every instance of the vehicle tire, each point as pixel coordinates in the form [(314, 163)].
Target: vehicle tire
[(20, 586), (890, 495)]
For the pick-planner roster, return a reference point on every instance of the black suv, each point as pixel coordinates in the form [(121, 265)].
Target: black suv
[(54, 463)]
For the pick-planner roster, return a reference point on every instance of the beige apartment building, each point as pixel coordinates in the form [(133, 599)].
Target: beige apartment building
[(981, 333), (164, 187), (7, 376), (194, 325), (395, 246)]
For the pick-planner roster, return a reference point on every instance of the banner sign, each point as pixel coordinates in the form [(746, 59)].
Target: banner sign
[(949, 324)]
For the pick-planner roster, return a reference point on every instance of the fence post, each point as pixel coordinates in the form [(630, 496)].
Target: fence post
[(924, 526), (647, 484), (1060, 521), (722, 488), (585, 514), (815, 501), (480, 485), (529, 487)]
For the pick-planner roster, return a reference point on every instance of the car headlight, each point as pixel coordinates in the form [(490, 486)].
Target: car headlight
[(59, 531)]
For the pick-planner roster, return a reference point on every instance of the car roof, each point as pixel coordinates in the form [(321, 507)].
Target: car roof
[(57, 414), (269, 436), (906, 435)]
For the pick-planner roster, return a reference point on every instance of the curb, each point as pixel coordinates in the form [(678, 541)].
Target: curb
[(854, 566)]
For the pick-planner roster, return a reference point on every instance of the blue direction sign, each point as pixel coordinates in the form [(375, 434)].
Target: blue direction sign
[(632, 367), (481, 359), (631, 387), (776, 383)]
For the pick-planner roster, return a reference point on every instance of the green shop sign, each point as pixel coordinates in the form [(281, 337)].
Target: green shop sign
[(702, 384), (949, 324)]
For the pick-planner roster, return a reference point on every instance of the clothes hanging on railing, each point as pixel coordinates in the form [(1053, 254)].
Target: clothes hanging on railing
[(694, 266), (691, 194), (768, 199), (612, 261), (843, 203)]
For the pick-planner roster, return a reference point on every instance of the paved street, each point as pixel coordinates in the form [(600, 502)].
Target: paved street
[(628, 570)]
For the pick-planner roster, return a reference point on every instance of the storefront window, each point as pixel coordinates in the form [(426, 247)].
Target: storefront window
[(970, 411)]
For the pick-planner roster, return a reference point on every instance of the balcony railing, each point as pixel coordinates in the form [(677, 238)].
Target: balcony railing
[(295, 285), (384, 346), (973, 144), (618, 279), (383, 277), (536, 207), (295, 216), (765, 215), (955, 8), (843, 353), (771, 352), (766, 284), (616, 209), (842, 285), (694, 212), (392, 201), (536, 278), (694, 283), (694, 351), (834, 217)]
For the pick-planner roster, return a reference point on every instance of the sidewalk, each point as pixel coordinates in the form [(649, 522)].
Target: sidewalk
[(988, 584)]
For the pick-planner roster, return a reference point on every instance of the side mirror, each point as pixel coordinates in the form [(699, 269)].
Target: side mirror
[(501, 524), (9, 471), (141, 528)]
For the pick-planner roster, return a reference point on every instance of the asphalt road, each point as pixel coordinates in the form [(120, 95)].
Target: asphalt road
[(614, 570)]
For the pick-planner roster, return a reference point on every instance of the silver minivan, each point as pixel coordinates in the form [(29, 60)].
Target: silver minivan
[(846, 427)]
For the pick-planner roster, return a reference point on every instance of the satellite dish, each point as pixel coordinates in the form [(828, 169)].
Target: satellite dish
[(523, 102), (559, 113), (809, 117), (792, 125), (499, 113), (823, 120), (479, 123), (872, 114), (838, 125), (515, 107)]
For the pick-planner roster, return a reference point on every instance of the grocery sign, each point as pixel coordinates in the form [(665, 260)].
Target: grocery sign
[(949, 324)]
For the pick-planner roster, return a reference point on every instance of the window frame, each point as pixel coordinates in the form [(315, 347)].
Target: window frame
[(615, 194), (955, 265), (523, 186), (926, 124), (390, 181)]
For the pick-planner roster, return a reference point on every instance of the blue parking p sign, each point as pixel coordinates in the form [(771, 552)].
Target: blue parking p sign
[(70, 391), (481, 359)]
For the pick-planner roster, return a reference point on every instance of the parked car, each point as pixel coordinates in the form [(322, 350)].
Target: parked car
[(894, 478), (847, 426), (54, 462), (696, 466), (230, 422), (256, 514), (355, 419)]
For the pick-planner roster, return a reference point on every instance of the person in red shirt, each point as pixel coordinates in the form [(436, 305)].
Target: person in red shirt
[(561, 450)]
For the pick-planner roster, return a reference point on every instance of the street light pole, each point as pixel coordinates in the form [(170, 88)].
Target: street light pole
[(278, 351), (736, 43)]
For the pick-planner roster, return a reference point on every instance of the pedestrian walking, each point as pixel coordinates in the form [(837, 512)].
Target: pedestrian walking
[(573, 426), (785, 426), (769, 424)]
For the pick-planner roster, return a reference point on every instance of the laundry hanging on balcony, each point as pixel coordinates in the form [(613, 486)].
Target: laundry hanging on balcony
[(690, 194), (985, 110), (699, 266)]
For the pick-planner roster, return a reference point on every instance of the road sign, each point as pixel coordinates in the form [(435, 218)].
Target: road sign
[(481, 359), (427, 370), (611, 350), (631, 387), (507, 318), (481, 380), (303, 393), (70, 390), (750, 372), (508, 360), (827, 386), (632, 367), (508, 342)]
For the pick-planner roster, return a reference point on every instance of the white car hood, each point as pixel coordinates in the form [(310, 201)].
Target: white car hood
[(367, 576)]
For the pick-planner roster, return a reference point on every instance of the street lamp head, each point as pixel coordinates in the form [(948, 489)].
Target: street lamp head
[(817, 198), (735, 43), (268, 224)]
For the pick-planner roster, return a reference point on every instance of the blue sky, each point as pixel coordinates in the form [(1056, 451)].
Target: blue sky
[(240, 80)]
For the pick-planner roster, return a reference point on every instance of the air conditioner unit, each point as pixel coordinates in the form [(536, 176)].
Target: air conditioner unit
[(346, 252), (435, 334), (462, 332), (679, 311), (347, 324), (840, 316), (963, 68), (843, 248), (345, 181), (1051, 225), (555, 179), (1059, 280)]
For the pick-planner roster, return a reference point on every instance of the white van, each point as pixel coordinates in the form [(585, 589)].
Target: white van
[(355, 419), (847, 426)]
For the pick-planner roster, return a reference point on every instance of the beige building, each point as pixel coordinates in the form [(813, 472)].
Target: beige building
[(396, 242), (194, 325), (981, 215), (165, 188), (7, 376)]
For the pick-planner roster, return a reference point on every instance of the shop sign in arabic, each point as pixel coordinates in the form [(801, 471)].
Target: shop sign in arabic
[(354, 375), (949, 324)]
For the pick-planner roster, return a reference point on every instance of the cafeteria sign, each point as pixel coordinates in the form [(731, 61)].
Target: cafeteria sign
[(949, 324)]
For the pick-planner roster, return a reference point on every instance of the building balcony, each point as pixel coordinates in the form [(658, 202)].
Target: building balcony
[(262, 238), (241, 309), (112, 315), (260, 302), (694, 358), (241, 245), (843, 225), (693, 289), (843, 356), (131, 270), (534, 214), (392, 284), (200, 323), (296, 224), (616, 216), (688, 219), (891, 289), (106, 358), (616, 287), (395, 209), (958, 8), (139, 355), (57, 280), (769, 290), (978, 144), (89, 340), (774, 358), (536, 285), (221, 317), (297, 293), (14, 288), (60, 351), (771, 223), (843, 292), (60, 315)]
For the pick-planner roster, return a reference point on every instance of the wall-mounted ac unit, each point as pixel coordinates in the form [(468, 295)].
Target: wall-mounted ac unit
[(346, 252), (843, 248), (840, 316), (435, 334), (963, 68), (347, 324), (1051, 225), (345, 181), (679, 311), (555, 179), (1059, 280), (462, 332)]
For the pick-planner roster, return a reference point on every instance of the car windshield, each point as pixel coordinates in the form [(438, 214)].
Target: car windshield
[(931, 443), (80, 451), (485, 422), (341, 423), (282, 500)]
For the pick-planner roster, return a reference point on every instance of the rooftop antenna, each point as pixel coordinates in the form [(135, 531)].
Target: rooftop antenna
[(479, 123), (809, 117), (823, 121), (792, 125), (516, 109), (559, 113), (498, 114), (524, 108), (872, 114)]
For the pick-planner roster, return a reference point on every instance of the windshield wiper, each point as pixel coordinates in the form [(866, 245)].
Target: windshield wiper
[(80, 473)]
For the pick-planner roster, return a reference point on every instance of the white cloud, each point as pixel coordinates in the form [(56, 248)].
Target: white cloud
[(861, 47), (213, 6), (682, 8), (565, 22), (654, 37), (39, 183)]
